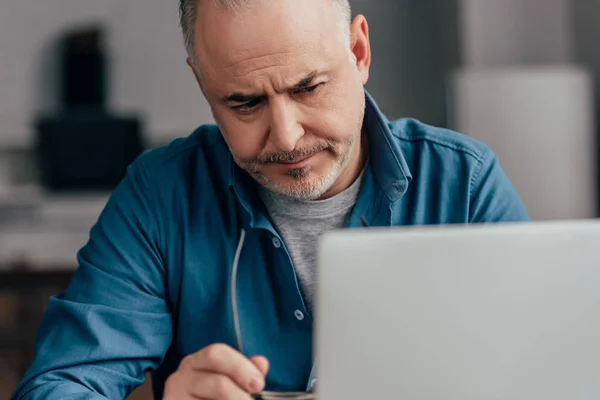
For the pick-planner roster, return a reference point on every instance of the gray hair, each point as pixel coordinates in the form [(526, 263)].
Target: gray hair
[(187, 16)]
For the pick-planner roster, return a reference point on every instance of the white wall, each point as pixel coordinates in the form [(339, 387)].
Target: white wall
[(150, 69), (149, 74)]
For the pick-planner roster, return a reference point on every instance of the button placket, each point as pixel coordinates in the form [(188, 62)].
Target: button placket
[(299, 314)]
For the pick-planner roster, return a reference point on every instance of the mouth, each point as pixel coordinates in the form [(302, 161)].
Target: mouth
[(298, 162)]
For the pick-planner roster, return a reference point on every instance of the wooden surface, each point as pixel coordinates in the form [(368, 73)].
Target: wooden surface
[(144, 392)]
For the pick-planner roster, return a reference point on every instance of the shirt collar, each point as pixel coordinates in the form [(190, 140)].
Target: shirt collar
[(386, 160)]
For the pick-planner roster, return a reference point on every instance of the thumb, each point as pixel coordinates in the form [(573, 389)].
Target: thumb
[(261, 363)]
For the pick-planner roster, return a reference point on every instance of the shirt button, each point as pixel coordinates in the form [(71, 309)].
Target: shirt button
[(276, 242), (299, 315)]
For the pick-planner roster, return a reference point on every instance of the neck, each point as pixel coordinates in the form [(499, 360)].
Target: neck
[(352, 170)]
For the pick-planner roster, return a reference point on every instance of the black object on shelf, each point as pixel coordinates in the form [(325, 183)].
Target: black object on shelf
[(84, 147), (86, 150), (83, 70)]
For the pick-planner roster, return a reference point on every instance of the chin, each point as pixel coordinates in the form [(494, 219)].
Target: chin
[(305, 186)]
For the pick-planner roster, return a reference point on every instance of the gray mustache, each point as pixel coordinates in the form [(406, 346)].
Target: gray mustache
[(286, 157)]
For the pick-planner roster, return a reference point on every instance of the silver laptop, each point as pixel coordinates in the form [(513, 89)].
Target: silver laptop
[(487, 312)]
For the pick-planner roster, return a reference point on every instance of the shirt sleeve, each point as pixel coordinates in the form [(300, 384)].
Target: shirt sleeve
[(493, 197), (112, 323)]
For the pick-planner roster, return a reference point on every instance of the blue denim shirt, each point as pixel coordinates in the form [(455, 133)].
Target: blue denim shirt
[(153, 283)]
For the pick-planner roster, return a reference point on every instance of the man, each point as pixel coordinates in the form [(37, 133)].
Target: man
[(201, 268)]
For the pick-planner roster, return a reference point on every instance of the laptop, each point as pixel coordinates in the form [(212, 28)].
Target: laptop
[(475, 312)]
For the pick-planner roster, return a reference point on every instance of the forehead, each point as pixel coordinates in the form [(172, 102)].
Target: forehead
[(282, 35)]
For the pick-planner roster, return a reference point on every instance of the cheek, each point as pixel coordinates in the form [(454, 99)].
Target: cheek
[(339, 111), (245, 140), (337, 118)]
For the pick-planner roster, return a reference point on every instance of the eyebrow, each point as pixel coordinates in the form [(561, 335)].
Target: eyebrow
[(306, 81), (238, 97)]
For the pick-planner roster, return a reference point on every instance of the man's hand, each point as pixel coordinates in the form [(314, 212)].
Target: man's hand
[(217, 372)]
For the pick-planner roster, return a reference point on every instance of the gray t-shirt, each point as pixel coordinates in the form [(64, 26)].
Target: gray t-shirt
[(301, 223)]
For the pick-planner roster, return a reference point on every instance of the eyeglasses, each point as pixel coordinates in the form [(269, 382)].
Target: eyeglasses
[(238, 333)]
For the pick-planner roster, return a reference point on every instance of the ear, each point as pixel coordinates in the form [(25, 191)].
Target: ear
[(360, 46), (190, 63)]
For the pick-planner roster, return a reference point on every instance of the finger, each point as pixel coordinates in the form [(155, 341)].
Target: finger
[(192, 384), (211, 386), (261, 363), (224, 360)]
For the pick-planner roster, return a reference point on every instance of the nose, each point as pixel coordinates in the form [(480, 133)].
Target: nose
[(285, 130)]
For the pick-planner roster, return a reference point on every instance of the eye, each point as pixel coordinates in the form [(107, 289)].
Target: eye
[(307, 89), (248, 106)]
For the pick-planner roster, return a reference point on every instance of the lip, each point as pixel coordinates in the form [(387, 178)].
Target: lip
[(297, 163)]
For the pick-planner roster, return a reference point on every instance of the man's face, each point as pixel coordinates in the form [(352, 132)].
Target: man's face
[(286, 92)]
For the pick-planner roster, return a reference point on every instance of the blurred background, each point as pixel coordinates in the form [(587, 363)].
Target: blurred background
[(85, 86)]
